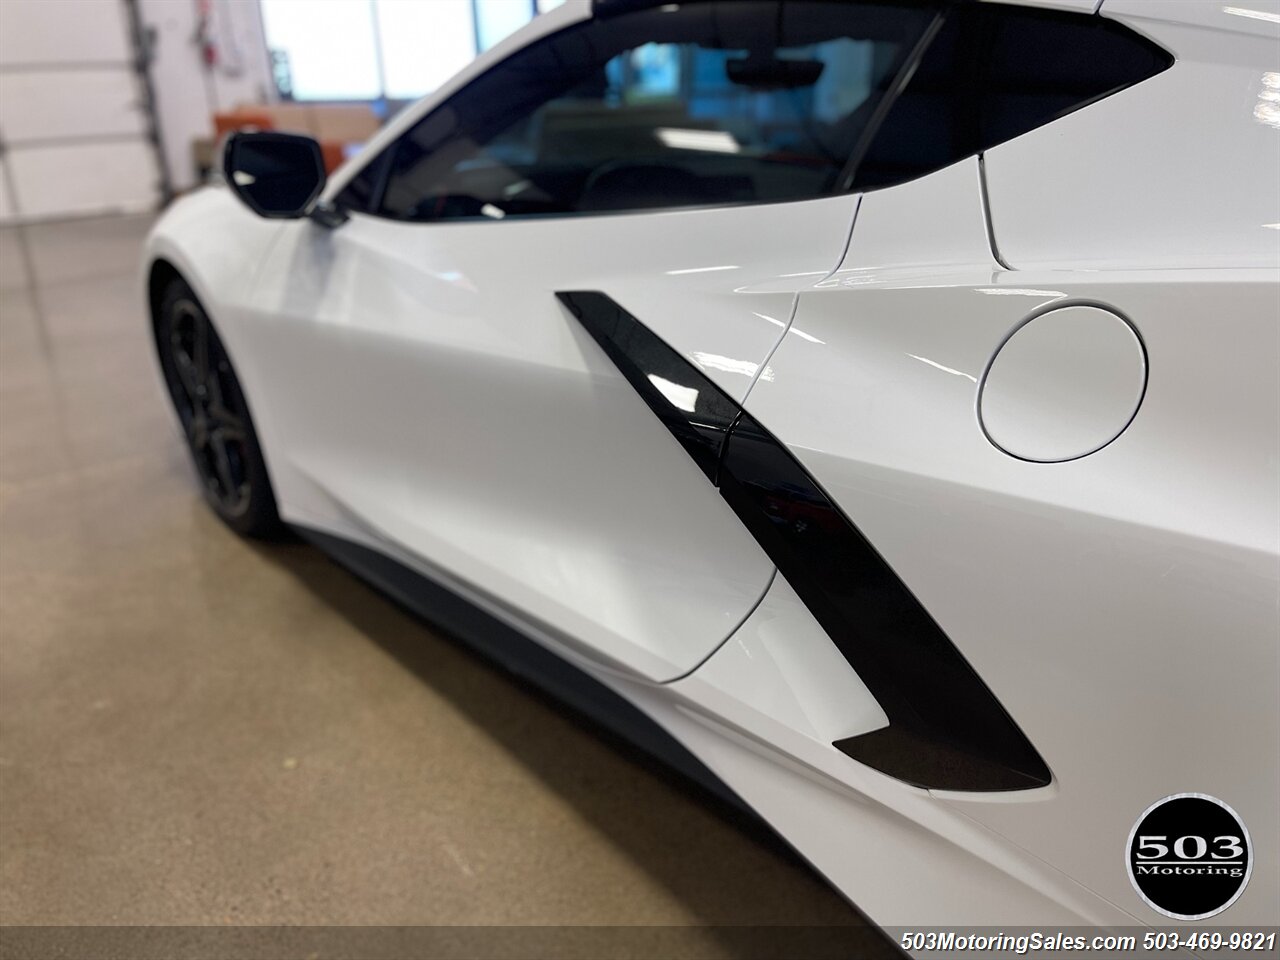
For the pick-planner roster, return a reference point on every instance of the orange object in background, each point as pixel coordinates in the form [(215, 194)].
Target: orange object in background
[(241, 119), (334, 153), (336, 127)]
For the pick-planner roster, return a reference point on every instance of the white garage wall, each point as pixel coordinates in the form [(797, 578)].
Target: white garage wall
[(72, 113), (85, 179), (186, 93), (65, 31), (48, 105), (6, 205), (73, 110)]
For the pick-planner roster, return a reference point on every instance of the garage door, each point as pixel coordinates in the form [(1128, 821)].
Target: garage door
[(75, 133)]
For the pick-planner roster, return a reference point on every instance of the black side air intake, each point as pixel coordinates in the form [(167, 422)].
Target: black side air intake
[(946, 730)]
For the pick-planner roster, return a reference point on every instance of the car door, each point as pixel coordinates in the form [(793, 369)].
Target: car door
[(427, 393)]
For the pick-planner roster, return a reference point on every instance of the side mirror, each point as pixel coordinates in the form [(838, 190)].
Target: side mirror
[(277, 175)]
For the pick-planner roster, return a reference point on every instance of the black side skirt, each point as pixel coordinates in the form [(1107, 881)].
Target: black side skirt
[(522, 656)]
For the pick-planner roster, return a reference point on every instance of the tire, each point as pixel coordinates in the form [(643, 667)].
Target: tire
[(214, 415)]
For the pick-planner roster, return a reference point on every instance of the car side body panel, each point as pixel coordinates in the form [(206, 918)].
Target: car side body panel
[(1128, 182), (432, 392), (1123, 605)]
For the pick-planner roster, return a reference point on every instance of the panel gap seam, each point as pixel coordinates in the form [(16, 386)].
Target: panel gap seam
[(987, 220), (773, 575), (795, 304)]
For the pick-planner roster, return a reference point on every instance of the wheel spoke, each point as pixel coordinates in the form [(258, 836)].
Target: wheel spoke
[(211, 408), (222, 464), (198, 432), (186, 370), (225, 422), (188, 342), (216, 395)]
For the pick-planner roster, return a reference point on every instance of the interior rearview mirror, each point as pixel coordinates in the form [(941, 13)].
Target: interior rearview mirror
[(772, 73), (277, 175)]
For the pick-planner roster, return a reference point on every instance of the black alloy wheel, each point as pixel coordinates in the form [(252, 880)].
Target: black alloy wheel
[(214, 415)]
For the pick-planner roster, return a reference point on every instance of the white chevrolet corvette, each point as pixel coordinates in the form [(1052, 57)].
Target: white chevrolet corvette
[(872, 407)]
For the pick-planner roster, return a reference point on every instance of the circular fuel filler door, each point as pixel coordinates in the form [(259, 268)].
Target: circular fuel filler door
[(1064, 383)]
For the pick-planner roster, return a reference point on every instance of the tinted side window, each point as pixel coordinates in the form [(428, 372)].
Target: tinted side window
[(995, 72), (705, 103), (366, 186)]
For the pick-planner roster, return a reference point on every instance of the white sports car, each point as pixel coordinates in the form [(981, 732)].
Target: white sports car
[(871, 407)]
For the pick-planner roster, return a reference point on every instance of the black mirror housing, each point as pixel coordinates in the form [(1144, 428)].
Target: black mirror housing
[(276, 175)]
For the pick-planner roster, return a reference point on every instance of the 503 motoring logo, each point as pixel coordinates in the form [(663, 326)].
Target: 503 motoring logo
[(1189, 856)]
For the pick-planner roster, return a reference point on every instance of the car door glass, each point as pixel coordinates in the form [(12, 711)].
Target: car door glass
[(696, 105)]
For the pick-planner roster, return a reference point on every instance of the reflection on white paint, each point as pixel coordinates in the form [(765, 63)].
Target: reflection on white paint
[(682, 398), (676, 273), (1271, 226), (1252, 14), (455, 277), (709, 141), (1267, 109), (799, 333), (951, 370), (1019, 292), (854, 278), (713, 361)]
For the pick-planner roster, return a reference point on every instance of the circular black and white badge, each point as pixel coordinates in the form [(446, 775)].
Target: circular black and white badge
[(1189, 856)]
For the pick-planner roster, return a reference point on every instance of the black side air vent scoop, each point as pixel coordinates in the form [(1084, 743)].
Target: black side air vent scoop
[(946, 730)]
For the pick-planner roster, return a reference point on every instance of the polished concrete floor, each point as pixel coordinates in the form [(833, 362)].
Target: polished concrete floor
[(198, 730)]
